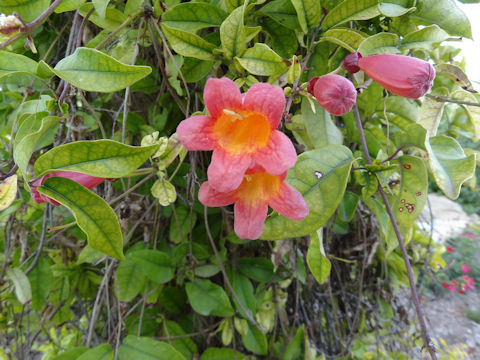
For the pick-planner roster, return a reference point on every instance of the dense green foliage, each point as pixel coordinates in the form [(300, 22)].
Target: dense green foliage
[(138, 268)]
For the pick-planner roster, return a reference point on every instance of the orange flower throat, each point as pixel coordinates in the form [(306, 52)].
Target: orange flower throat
[(259, 187), (242, 131)]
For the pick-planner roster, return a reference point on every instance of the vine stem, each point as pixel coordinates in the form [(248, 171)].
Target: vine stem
[(450, 100), (426, 338)]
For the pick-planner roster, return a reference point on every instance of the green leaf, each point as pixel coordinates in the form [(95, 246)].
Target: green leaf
[(92, 70), (28, 10), (255, 341), (308, 13), (232, 34), (431, 112), (350, 39), (382, 43), (411, 197), (414, 135), (473, 112), (69, 5), (398, 105), (8, 191), (23, 291), (100, 158), (320, 127), (25, 146), (130, 279), (393, 9), (41, 280), (245, 292), (164, 191), (72, 353), (321, 177), (144, 348), (181, 224), (446, 14), (100, 352), (184, 345), (449, 164), (283, 12), (111, 21), (261, 60), (207, 298), (233, 4), (317, 262), (258, 269), (93, 215), (100, 6), (424, 38), (194, 70), (294, 349), (349, 10), (192, 17), (221, 354), (155, 265), (11, 63), (456, 74), (188, 44), (284, 41)]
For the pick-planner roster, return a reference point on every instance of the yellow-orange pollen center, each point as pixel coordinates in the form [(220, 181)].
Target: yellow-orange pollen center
[(259, 187), (241, 131)]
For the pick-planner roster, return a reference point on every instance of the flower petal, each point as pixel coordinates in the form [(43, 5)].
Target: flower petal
[(226, 171), (195, 133), (208, 196), (278, 156), (221, 94), (266, 99), (289, 203), (249, 219)]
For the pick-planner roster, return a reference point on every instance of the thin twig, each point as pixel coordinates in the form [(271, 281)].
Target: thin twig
[(42, 240), (450, 100), (130, 18), (247, 312), (94, 114), (426, 338)]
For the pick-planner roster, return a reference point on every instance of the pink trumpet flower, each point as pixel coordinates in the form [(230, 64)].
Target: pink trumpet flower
[(257, 191), (85, 180), (402, 75), (334, 93), (241, 130)]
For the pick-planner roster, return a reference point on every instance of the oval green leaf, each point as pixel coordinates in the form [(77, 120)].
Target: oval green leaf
[(455, 73), (431, 112), (155, 265), (23, 291), (424, 38), (101, 158), (192, 16), (94, 216), (29, 10), (317, 262), (382, 43), (283, 12), (188, 44), (263, 61), (232, 34), (321, 177), (308, 13), (15, 63), (134, 347), (350, 39), (8, 191), (130, 279), (449, 164), (351, 10), (92, 70), (207, 298)]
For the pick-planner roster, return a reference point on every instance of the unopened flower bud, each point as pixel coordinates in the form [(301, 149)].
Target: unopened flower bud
[(334, 93), (402, 75), (9, 26), (350, 63)]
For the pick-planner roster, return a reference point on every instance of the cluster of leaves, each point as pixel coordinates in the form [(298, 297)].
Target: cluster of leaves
[(141, 269)]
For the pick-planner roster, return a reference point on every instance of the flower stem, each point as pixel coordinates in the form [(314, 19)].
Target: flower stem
[(426, 338)]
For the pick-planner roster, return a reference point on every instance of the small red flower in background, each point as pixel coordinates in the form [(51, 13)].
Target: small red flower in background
[(257, 191), (465, 268), (241, 131), (85, 180), (450, 249), (402, 75), (334, 93)]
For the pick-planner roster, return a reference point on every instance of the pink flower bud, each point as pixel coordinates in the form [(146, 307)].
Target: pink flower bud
[(465, 268), (334, 93), (402, 75), (83, 179), (350, 63), (449, 249)]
